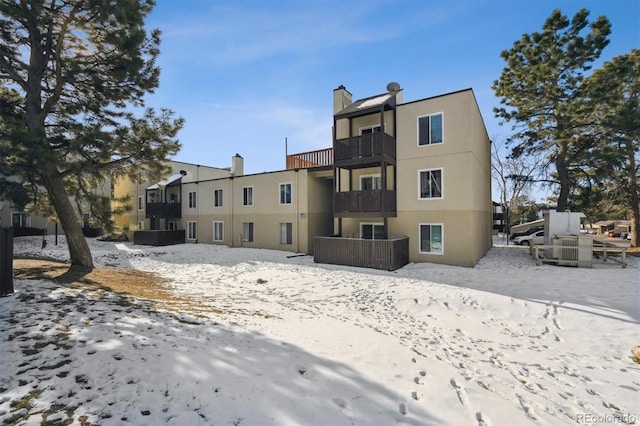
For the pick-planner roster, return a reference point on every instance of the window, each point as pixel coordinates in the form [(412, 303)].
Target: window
[(369, 130), (192, 200), (218, 231), (286, 233), (430, 129), (430, 183), (367, 146), (370, 182), (247, 196), (172, 225), (20, 220), (217, 198), (247, 231), (140, 226), (372, 231), (285, 193), (140, 203), (191, 230), (431, 238)]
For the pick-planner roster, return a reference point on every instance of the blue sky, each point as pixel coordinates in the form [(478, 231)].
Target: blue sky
[(246, 74)]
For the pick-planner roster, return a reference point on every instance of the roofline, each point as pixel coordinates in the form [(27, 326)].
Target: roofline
[(197, 165), (475, 101), (439, 96)]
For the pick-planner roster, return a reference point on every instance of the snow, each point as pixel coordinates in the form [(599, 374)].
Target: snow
[(286, 341)]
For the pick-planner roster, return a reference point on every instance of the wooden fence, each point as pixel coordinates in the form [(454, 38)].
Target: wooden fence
[(387, 255), (159, 237)]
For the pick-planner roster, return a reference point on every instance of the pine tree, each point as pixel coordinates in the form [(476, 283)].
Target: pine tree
[(615, 92), (540, 92), (78, 69)]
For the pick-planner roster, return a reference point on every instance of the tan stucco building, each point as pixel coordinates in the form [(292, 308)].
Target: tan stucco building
[(418, 171)]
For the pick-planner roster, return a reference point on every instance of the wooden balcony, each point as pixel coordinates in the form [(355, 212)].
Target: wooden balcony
[(365, 203), (303, 160), (387, 255), (365, 148), (164, 210)]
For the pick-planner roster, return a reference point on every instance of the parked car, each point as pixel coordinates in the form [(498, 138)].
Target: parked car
[(526, 232), (614, 234), (532, 239)]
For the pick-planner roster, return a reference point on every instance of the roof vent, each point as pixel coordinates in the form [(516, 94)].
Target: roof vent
[(393, 87)]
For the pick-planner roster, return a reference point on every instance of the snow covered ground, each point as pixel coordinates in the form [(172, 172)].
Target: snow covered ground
[(291, 342)]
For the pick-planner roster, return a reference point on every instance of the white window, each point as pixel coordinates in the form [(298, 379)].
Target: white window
[(430, 184), (191, 230), (370, 129), (20, 220), (247, 196), (218, 231), (372, 231), (370, 182), (217, 197), (192, 200), (431, 238), (173, 225), (286, 233), (247, 231), (285, 193), (140, 203), (430, 129), (140, 226)]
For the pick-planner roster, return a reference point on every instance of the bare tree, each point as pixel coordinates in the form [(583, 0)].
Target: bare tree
[(514, 176)]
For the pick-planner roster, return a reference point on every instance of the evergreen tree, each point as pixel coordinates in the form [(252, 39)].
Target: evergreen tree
[(614, 91), (71, 72), (540, 91)]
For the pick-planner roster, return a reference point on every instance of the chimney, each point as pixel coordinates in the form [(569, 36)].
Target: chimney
[(341, 99), (237, 165)]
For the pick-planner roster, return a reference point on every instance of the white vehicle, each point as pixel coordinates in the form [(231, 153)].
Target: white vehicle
[(529, 240)]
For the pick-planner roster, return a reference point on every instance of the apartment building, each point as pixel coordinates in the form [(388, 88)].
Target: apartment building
[(402, 182), (282, 210), (23, 221)]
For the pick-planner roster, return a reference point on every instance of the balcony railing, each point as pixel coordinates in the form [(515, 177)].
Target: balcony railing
[(387, 255), (303, 160), (366, 146), (165, 210), (364, 201)]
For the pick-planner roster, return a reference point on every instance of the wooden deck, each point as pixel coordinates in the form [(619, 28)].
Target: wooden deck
[(387, 255)]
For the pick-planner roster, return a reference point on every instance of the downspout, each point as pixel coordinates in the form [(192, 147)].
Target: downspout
[(196, 200), (232, 227), (297, 212)]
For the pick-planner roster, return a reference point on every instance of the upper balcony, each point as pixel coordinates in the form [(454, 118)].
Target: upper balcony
[(378, 202), (304, 160), (171, 210), (365, 149)]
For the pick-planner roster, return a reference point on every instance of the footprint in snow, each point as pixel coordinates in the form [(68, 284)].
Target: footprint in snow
[(339, 402), (403, 409), (482, 419), (462, 394)]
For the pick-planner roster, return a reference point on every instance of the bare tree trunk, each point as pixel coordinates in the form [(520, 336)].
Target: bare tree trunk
[(79, 251), (634, 199), (563, 178)]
